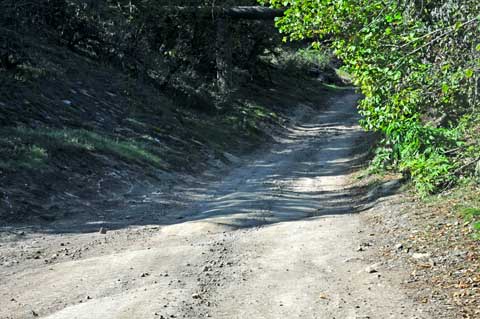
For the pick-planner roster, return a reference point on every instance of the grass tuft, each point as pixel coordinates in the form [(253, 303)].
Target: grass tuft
[(29, 148)]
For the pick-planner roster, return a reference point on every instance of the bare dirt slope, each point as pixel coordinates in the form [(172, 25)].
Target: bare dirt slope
[(276, 237)]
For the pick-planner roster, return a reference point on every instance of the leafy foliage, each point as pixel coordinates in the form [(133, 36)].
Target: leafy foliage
[(417, 64), (471, 215)]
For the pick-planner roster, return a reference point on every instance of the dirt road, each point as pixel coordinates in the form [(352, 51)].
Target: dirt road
[(277, 237)]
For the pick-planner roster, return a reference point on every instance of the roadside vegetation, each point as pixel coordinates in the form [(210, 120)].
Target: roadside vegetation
[(417, 64)]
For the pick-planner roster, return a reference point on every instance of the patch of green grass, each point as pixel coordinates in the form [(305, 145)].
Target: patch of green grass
[(248, 118), (461, 202), (23, 157), (313, 57), (258, 112), (31, 146), (343, 75), (334, 87), (471, 215), (299, 61)]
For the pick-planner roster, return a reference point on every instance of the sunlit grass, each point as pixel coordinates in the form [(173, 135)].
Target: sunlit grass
[(25, 147)]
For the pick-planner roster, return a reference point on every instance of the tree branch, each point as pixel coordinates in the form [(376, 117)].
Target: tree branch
[(238, 12)]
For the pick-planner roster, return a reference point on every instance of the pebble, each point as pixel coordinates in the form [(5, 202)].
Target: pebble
[(372, 268), (421, 256)]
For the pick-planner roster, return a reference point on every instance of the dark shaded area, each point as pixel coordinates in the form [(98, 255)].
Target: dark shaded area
[(236, 12)]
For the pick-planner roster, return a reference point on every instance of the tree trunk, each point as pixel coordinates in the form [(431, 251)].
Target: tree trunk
[(224, 56)]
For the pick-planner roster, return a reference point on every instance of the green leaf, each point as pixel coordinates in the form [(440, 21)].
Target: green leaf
[(445, 88), (476, 226), (469, 73)]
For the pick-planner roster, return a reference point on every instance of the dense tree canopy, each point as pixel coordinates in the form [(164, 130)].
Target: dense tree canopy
[(417, 64), (171, 44)]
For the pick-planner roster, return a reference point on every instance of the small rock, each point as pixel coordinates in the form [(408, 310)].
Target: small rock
[(421, 256), (67, 102), (196, 296), (399, 247), (323, 296), (102, 231), (144, 274), (372, 268), (34, 313)]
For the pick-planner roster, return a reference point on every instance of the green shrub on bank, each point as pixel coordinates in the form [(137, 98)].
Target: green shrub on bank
[(417, 64)]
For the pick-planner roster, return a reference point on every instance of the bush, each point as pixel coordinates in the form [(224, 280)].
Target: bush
[(418, 66)]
